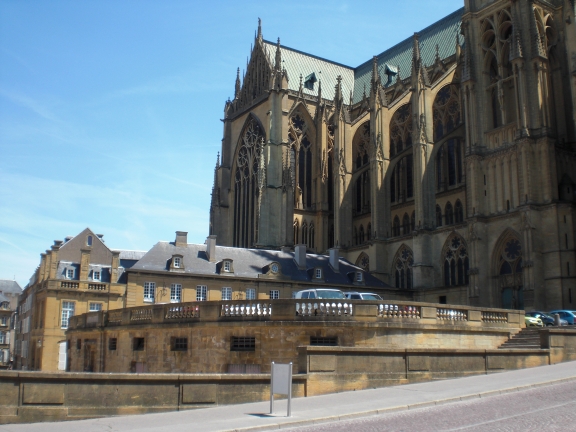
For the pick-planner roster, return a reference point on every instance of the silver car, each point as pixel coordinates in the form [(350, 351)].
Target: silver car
[(362, 296)]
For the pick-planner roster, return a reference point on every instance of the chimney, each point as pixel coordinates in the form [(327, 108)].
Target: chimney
[(115, 265), (335, 259), (211, 248), (84, 264), (181, 239), (54, 261), (300, 256)]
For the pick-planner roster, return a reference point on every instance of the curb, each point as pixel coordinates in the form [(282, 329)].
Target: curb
[(351, 416)]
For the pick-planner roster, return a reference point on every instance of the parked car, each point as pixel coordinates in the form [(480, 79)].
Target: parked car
[(320, 293), (568, 315), (533, 322), (362, 296), (547, 319)]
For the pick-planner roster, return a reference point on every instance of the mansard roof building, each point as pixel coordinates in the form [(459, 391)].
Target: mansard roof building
[(444, 166)]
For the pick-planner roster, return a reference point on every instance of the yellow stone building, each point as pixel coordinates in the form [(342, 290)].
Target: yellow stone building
[(77, 275), (445, 165)]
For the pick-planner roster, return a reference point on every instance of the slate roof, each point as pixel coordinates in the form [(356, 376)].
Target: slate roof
[(3, 298), (10, 286), (299, 63), (442, 33), (131, 254), (250, 263)]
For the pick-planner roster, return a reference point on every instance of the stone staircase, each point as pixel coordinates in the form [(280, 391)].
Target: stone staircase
[(527, 338)]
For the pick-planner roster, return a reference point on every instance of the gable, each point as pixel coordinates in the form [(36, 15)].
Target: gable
[(71, 250)]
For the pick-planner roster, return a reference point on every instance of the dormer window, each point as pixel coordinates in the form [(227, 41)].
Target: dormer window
[(274, 268), (89, 240), (177, 262), (359, 277), (227, 266), (318, 273), (309, 81), (96, 275), (70, 273)]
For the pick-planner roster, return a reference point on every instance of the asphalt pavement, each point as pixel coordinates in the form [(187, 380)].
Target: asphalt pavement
[(321, 409)]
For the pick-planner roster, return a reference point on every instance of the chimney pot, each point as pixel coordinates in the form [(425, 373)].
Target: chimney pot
[(211, 248), (300, 256), (181, 238), (335, 258)]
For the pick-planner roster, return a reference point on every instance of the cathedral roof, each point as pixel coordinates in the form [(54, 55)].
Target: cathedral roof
[(442, 33), (298, 63), (250, 263)]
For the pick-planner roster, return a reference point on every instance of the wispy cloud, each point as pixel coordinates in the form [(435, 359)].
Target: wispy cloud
[(32, 104)]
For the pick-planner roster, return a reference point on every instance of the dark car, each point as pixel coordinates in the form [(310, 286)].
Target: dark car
[(547, 319)]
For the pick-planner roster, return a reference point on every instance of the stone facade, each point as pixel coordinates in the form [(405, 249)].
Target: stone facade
[(246, 336), (9, 293), (75, 276), (445, 164)]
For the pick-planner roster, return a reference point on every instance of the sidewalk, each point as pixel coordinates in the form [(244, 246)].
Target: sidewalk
[(317, 409)]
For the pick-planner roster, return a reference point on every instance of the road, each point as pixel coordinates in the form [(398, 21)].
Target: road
[(549, 408)]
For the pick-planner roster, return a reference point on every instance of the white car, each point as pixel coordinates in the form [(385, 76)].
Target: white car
[(320, 293), (362, 296)]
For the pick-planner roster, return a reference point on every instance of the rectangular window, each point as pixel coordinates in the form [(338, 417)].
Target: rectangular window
[(318, 273), (179, 344), (226, 293), (70, 273), (175, 293), (78, 344), (274, 294), (138, 344), (67, 312), (243, 344), (2, 338), (226, 266), (149, 290), (112, 344), (96, 276), (250, 294), (201, 293), (177, 262), (4, 321), (95, 307), (324, 341), (358, 276)]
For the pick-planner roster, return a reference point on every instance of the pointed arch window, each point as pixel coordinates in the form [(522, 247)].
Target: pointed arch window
[(446, 111), (301, 148), (413, 221), (361, 234), (449, 166), (296, 231), (509, 269), (369, 232), (401, 130), (361, 144), (246, 184), (403, 268), (449, 214), (311, 238), (438, 216), (304, 233), (401, 182), (458, 212), (396, 227), (456, 262), (405, 224)]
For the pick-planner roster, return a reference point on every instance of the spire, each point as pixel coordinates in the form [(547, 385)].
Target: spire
[(352, 98), (278, 63), (338, 94), (319, 92), (467, 70), (418, 71), (516, 51), (437, 59), (537, 45), (458, 48), (216, 186), (259, 35), (375, 75), (237, 88)]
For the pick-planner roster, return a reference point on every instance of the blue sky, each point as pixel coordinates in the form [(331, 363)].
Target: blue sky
[(110, 110)]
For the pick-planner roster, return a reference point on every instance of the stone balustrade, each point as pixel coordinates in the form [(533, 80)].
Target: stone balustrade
[(501, 136), (298, 310), (99, 287)]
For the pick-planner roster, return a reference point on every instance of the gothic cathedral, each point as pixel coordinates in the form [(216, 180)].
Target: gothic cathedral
[(445, 166)]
